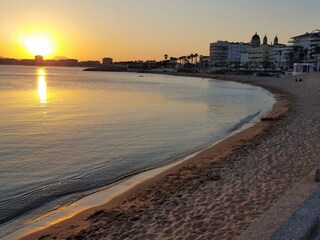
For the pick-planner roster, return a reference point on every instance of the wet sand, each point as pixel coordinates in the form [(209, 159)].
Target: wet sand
[(221, 191)]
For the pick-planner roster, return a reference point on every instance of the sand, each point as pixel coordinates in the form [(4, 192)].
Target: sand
[(220, 192)]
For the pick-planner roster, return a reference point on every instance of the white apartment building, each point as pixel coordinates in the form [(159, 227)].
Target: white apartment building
[(280, 57), (225, 53), (308, 41)]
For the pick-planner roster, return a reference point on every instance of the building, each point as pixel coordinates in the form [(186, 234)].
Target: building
[(107, 61), (235, 51), (38, 60), (307, 40), (62, 62), (307, 47), (302, 68), (89, 63), (244, 57), (219, 53), (281, 57), (260, 54), (224, 53)]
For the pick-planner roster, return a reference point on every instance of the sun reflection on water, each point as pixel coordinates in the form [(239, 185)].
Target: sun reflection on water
[(42, 87)]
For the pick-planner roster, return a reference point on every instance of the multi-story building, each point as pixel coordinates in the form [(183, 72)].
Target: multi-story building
[(38, 60), (107, 61), (307, 40), (307, 45), (304, 48), (259, 55), (219, 52), (281, 57), (225, 53)]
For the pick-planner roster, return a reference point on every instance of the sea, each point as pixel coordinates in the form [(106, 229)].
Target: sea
[(64, 132)]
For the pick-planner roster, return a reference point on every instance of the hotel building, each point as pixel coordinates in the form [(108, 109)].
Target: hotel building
[(225, 53), (309, 42)]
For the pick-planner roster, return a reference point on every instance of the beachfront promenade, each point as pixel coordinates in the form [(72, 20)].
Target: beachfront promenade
[(226, 189)]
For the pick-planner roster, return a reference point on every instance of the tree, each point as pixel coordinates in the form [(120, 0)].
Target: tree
[(305, 53), (173, 59), (299, 53), (315, 52), (290, 58), (189, 57), (166, 56), (316, 49), (181, 59), (196, 57)]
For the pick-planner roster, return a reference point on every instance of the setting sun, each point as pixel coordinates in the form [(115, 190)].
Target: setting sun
[(37, 45)]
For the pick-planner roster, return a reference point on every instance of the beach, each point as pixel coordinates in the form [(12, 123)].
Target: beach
[(220, 192)]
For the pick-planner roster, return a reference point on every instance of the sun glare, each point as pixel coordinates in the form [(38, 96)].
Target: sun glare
[(37, 45)]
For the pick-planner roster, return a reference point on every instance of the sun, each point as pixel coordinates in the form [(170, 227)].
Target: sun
[(37, 45)]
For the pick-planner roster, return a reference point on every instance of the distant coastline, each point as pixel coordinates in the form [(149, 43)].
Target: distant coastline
[(110, 68)]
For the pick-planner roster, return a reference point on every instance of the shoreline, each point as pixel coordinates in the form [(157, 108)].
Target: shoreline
[(110, 194), (218, 150), (114, 193), (118, 188)]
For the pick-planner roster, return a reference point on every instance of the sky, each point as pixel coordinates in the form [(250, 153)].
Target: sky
[(145, 29)]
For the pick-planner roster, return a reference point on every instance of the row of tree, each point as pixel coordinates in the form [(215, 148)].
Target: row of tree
[(192, 58), (299, 54)]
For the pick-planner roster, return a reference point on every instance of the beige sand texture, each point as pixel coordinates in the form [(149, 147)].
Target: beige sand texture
[(220, 192)]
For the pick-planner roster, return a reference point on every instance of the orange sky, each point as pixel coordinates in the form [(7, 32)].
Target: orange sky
[(147, 29)]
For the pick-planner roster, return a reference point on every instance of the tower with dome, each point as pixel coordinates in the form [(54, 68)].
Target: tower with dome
[(259, 53), (255, 40)]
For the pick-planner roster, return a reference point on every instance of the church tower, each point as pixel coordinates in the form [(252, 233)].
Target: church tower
[(276, 41), (265, 40), (255, 40)]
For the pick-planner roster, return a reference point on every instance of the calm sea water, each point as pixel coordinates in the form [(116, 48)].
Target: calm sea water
[(65, 132)]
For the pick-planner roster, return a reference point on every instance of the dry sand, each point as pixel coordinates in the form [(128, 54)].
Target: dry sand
[(220, 192)]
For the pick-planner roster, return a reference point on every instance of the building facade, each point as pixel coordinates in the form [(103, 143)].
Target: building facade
[(219, 53), (226, 53), (255, 54), (303, 48), (307, 47), (307, 40), (260, 54), (107, 61), (38, 60), (281, 57)]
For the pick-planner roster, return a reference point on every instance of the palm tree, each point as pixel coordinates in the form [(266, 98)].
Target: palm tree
[(291, 58), (306, 51), (315, 51), (299, 53), (188, 57), (185, 59), (196, 57), (192, 58), (173, 59)]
